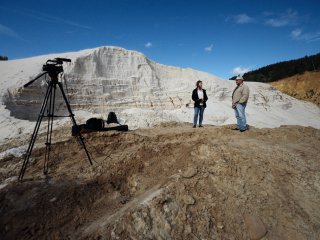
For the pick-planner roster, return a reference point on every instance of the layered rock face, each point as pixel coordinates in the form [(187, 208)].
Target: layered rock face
[(114, 79), (109, 79)]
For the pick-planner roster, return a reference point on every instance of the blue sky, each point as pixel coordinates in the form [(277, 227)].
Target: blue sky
[(224, 37)]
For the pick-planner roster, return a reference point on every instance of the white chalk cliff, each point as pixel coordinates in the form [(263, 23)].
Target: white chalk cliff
[(108, 79)]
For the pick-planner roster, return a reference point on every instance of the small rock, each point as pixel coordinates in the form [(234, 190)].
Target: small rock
[(211, 170), (167, 227), (188, 200), (220, 225), (53, 199), (187, 229), (189, 172), (255, 226)]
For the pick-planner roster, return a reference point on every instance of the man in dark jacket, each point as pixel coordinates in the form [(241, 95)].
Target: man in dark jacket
[(199, 96)]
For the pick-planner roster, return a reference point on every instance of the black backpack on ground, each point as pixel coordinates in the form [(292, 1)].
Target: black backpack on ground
[(95, 124), (112, 118)]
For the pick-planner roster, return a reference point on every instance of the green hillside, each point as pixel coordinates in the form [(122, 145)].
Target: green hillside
[(284, 69)]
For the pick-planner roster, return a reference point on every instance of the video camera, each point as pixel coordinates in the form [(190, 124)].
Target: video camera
[(54, 67)]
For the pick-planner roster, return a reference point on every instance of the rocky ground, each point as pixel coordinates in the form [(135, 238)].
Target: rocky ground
[(168, 182)]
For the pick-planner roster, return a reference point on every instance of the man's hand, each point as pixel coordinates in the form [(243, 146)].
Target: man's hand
[(234, 105)]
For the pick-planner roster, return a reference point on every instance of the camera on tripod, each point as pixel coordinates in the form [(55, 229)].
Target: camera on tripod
[(54, 67)]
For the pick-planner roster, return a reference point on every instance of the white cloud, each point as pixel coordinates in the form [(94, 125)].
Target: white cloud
[(75, 24), (299, 35), (240, 70), (267, 13), (295, 33), (276, 22), (8, 31), (52, 19), (46, 17), (148, 45), (288, 18), (240, 18), (209, 48), (243, 18)]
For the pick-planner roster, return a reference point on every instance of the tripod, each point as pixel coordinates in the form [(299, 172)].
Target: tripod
[(48, 103)]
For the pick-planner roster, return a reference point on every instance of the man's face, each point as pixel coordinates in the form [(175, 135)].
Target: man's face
[(239, 81), (200, 85)]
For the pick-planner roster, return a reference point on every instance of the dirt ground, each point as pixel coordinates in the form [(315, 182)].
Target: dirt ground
[(304, 86), (169, 182)]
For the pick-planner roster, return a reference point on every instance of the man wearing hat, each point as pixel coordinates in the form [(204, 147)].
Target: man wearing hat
[(240, 97)]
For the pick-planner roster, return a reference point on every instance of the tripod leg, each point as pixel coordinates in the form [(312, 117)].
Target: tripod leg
[(50, 115), (80, 137), (35, 132)]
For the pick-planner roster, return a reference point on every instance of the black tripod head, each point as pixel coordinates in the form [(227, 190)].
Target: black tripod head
[(52, 67)]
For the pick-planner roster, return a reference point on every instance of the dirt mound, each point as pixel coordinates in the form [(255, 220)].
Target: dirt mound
[(304, 87), (170, 182)]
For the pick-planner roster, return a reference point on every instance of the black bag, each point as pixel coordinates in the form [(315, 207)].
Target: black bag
[(112, 118), (95, 124)]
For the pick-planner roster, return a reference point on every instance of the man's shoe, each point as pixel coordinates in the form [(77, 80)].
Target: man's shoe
[(194, 126), (200, 126), (243, 130), (235, 129)]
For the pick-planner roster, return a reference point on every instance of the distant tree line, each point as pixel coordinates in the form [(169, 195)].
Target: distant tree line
[(282, 70), (3, 58)]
